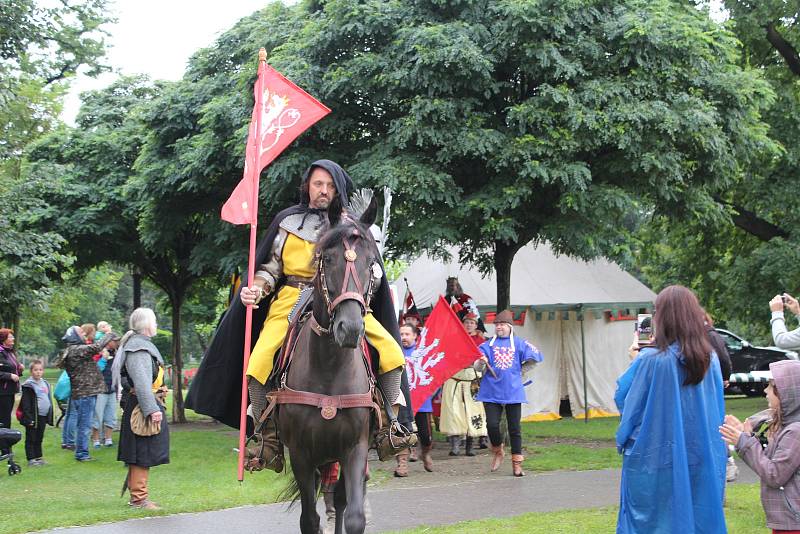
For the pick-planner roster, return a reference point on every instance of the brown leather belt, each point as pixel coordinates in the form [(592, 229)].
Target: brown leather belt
[(299, 282)]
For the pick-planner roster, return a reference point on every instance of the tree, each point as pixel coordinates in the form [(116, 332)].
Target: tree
[(739, 262), (501, 123), (101, 206)]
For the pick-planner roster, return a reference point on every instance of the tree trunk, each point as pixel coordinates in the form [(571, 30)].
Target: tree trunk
[(503, 257), (137, 288), (178, 414)]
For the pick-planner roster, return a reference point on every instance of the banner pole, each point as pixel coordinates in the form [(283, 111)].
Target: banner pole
[(251, 267)]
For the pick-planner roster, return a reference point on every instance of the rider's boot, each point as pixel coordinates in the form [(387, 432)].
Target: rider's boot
[(265, 450), (330, 512)]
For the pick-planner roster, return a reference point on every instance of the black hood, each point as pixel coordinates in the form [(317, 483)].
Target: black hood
[(342, 180)]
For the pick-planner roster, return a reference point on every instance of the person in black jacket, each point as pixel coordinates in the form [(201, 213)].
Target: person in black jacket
[(10, 371), (36, 406)]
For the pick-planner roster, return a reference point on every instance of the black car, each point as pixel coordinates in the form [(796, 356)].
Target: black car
[(746, 358)]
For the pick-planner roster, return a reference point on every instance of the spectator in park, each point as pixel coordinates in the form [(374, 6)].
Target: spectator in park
[(86, 382), (105, 411), (673, 467), (780, 334), (36, 406), (501, 387), (103, 328), (776, 464), (10, 371), (144, 436), (89, 332), (463, 416), (73, 336)]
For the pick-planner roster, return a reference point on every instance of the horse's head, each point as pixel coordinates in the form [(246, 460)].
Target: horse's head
[(348, 272)]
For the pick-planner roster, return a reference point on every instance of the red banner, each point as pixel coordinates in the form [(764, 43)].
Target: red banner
[(444, 349), (282, 112)]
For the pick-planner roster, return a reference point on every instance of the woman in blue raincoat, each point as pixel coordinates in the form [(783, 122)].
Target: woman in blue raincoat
[(673, 468)]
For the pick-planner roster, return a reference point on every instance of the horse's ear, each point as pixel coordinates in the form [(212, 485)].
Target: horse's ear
[(335, 211), (371, 213)]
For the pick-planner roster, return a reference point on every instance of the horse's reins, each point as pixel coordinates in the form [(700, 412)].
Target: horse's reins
[(360, 296)]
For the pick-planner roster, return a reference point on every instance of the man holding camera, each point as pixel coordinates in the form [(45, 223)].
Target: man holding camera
[(780, 334)]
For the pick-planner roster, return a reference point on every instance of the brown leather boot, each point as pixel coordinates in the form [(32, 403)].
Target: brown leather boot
[(497, 459), (266, 450), (401, 470), (516, 465), (427, 461)]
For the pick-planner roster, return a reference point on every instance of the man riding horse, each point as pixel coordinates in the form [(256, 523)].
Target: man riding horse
[(286, 267)]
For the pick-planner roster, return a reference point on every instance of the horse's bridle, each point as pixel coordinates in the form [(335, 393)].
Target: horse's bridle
[(362, 297)]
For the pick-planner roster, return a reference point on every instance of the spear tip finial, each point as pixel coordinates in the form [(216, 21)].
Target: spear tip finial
[(262, 54)]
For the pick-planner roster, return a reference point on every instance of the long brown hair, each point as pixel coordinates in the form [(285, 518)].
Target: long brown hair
[(776, 425), (679, 317)]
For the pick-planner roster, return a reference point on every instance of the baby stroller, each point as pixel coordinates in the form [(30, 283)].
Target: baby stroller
[(8, 438)]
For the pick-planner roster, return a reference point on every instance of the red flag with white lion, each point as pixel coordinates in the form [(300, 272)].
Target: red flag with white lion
[(282, 112), (444, 348)]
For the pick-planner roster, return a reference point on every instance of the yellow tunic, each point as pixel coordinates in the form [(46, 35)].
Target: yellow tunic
[(297, 258)]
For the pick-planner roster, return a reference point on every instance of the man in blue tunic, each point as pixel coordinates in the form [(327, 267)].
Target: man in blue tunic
[(504, 357)]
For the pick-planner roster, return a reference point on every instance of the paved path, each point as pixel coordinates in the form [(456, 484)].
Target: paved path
[(411, 502)]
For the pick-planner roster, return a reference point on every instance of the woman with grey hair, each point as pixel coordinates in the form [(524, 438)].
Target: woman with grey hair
[(139, 369)]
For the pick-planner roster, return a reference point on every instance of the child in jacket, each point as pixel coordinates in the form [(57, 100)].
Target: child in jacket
[(36, 409), (776, 464)]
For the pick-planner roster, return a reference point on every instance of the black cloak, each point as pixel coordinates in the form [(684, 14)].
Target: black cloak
[(216, 389)]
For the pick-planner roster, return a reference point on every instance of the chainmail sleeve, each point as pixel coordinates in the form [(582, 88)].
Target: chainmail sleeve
[(272, 270), (390, 383)]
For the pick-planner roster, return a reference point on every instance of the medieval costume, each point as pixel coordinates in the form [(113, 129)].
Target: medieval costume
[(285, 266), (502, 389), (462, 416)]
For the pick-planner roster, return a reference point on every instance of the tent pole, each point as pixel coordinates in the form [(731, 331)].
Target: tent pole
[(583, 355)]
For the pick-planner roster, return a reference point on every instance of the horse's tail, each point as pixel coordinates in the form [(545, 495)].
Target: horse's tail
[(291, 492)]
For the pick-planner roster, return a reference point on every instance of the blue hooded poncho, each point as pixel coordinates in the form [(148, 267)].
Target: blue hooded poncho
[(673, 468)]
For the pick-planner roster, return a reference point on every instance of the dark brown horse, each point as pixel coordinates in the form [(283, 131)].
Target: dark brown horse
[(329, 368)]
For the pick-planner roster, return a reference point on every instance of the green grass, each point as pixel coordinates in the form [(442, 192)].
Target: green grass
[(743, 513), (201, 476)]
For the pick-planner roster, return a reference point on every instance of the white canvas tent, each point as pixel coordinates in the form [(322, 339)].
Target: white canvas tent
[(573, 311)]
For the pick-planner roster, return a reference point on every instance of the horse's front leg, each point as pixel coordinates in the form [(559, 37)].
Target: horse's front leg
[(353, 473), (305, 475)]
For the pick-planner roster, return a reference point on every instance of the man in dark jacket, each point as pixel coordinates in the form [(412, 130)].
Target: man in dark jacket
[(86, 381)]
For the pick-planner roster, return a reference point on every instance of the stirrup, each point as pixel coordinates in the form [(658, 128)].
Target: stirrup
[(392, 439), (256, 458)]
